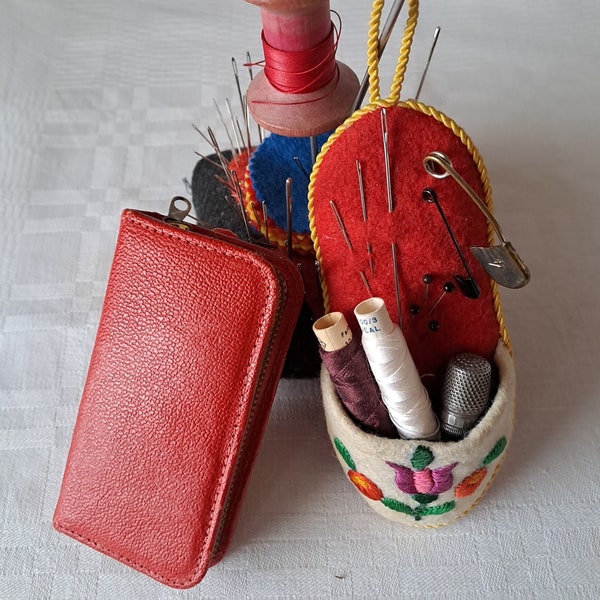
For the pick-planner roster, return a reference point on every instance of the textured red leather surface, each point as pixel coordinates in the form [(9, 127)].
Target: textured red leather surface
[(189, 349)]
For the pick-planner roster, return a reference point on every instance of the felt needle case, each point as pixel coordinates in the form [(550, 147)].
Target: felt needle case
[(189, 349), (403, 253)]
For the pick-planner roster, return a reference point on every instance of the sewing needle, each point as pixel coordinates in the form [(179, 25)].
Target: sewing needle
[(363, 203), (386, 156), (436, 34), (288, 201)]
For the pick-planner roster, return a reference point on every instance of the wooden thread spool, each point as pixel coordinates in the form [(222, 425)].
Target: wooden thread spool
[(298, 26)]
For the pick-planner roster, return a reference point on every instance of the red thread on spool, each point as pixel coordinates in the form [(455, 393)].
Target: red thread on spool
[(302, 71), (299, 101), (302, 90)]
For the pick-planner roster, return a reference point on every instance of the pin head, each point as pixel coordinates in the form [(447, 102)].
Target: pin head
[(429, 195), (468, 286)]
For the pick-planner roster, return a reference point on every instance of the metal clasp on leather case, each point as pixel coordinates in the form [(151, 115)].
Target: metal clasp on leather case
[(177, 214)]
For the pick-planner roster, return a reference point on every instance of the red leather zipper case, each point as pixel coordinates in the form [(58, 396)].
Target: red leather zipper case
[(189, 350)]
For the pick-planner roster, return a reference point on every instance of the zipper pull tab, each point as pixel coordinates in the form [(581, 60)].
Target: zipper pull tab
[(177, 213)]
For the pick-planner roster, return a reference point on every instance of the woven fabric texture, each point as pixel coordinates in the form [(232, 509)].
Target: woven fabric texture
[(97, 102)]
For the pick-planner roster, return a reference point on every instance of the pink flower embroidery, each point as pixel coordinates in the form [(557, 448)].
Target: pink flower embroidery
[(421, 479)]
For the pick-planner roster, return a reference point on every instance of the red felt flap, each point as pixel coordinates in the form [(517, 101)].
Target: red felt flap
[(423, 245)]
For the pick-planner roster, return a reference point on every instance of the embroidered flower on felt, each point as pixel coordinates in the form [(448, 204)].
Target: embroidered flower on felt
[(362, 483), (421, 479), (422, 483), (471, 482), (365, 486)]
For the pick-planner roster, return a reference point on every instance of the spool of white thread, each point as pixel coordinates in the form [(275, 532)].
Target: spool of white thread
[(394, 370)]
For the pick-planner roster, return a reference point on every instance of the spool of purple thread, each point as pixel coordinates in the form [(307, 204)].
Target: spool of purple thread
[(347, 365)]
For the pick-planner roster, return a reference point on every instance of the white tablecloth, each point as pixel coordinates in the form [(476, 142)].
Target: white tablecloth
[(97, 102)]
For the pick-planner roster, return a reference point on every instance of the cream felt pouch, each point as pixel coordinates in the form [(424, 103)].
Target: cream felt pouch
[(400, 208), (424, 483)]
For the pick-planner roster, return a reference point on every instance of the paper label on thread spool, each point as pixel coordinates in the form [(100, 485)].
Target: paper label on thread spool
[(373, 317), (332, 331)]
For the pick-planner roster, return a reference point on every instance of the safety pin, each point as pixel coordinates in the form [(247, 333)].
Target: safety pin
[(501, 263)]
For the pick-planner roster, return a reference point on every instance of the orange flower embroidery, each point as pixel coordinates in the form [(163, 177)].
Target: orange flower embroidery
[(365, 486), (470, 483)]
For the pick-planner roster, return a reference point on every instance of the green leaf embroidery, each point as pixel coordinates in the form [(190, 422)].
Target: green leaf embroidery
[(422, 456), (438, 509), (344, 454), (496, 451), (424, 498), (397, 505)]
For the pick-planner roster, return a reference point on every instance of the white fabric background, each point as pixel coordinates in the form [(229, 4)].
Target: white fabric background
[(97, 102)]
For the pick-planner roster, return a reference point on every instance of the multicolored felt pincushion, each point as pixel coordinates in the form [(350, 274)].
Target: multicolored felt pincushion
[(208, 194), (275, 160)]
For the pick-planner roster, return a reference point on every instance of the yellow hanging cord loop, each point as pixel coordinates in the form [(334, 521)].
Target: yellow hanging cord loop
[(407, 39), (373, 52)]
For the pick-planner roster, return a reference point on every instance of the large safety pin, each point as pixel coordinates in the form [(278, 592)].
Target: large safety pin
[(501, 263)]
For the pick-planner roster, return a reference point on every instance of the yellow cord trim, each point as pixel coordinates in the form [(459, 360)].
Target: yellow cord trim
[(407, 39), (373, 51)]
